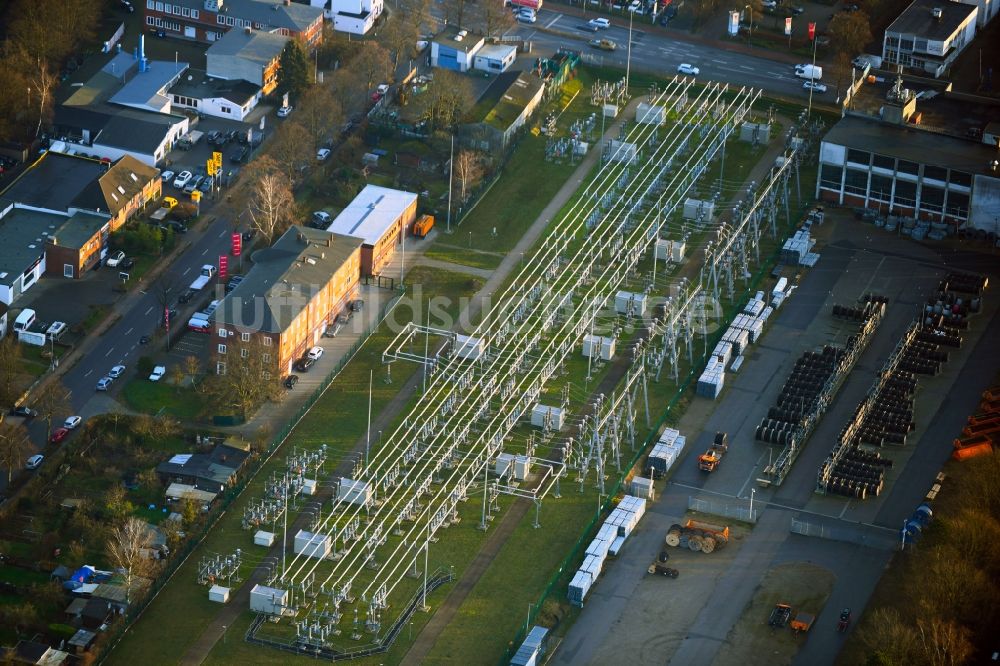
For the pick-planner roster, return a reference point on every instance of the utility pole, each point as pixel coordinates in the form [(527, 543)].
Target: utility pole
[(451, 172), (628, 60)]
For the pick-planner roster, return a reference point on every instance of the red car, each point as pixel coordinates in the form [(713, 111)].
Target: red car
[(58, 435)]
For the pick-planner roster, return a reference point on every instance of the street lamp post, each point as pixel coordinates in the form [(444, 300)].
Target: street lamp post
[(750, 31), (628, 60)]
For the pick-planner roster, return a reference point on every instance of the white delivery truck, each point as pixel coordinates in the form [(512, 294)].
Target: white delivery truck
[(809, 72)]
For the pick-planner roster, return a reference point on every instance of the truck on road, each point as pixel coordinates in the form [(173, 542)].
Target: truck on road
[(708, 461), (810, 72), (207, 273)]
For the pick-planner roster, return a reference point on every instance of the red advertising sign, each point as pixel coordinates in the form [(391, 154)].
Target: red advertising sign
[(237, 244), (166, 318), (788, 25), (812, 31), (223, 266)]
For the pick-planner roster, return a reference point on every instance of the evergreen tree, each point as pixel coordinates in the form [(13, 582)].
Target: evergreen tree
[(294, 76)]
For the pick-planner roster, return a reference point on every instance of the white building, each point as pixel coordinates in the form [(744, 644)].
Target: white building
[(455, 49), (247, 55), (354, 16), (929, 35), (232, 99), (495, 58)]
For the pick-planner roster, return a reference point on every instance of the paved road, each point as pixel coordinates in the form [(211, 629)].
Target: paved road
[(658, 52)]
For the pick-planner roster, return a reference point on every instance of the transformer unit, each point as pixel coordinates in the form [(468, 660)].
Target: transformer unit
[(598, 346)]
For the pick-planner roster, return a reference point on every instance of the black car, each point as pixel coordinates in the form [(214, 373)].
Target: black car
[(241, 156), (187, 296), (177, 227), (173, 318), (304, 363), (26, 412), (291, 381), (213, 136), (126, 263), (233, 283)]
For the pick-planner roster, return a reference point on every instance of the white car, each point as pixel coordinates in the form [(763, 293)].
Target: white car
[(321, 219), (116, 371), (315, 353), (687, 69), (104, 383), (382, 88), (635, 6), (182, 179), (599, 23), (167, 176), (322, 154), (524, 17), (72, 422), (815, 87), (34, 461), (285, 111), (158, 373), (115, 259)]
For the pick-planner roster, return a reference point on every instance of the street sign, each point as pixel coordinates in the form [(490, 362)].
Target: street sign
[(237, 244), (217, 158), (788, 25), (812, 31), (284, 102), (262, 118), (166, 319), (223, 266), (210, 166), (196, 196)]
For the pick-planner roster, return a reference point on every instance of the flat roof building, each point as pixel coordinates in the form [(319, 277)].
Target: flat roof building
[(248, 55), (380, 216), (928, 35), (294, 291)]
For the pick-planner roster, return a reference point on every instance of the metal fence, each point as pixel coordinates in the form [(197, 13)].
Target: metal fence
[(135, 611), (862, 534), (739, 511)]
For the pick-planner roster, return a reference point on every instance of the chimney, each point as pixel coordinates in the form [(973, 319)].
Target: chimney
[(936, 13)]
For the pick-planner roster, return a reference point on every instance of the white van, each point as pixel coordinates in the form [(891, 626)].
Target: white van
[(24, 320)]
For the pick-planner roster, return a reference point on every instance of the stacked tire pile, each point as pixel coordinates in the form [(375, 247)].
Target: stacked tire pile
[(694, 539), (869, 306), (798, 396), (859, 474)]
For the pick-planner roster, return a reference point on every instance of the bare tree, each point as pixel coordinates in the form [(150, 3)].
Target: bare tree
[(850, 32), (271, 205), (192, 366), (165, 288), (13, 379), (126, 549), (494, 18), (321, 114), (888, 636), (250, 378), (14, 446), (50, 401), (943, 642), (468, 171), (373, 64), (448, 98), (291, 150), (400, 38), (455, 12), (177, 376)]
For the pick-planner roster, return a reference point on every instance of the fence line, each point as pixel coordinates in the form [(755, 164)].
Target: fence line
[(724, 509), (859, 533)]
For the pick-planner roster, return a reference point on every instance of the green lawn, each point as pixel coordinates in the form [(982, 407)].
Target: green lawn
[(149, 397), (338, 420), (95, 316)]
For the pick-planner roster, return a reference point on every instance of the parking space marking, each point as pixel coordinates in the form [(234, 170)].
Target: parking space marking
[(149, 310), (186, 271), (553, 21), (87, 374), (222, 233), (205, 252), (109, 352), (132, 329)]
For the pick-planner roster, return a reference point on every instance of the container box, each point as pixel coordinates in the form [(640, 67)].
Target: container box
[(312, 545), (309, 486), (627, 302), (218, 594), (354, 492), (596, 346), (469, 348), (616, 546), (642, 487), (555, 415), (268, 600), (648, 114), (263, 538)]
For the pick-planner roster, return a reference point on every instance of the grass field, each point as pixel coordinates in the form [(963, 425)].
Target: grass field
[(163, 397), (338, 420)]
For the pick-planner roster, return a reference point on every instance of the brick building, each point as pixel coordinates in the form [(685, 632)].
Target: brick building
[(209, 20), (282, 307)]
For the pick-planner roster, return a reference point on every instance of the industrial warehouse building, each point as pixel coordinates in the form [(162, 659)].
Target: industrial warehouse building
[(381, 217), (935, 158), (294, 290)]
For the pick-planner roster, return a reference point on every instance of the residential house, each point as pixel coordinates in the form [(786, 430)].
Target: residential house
[(381, 217), (111, 134), (216, 97), (210, 20), (928, 35), (294, 291), (32, 652), (212, 471), (247, 55), (455, 49), (353, 16), (987, 10)]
